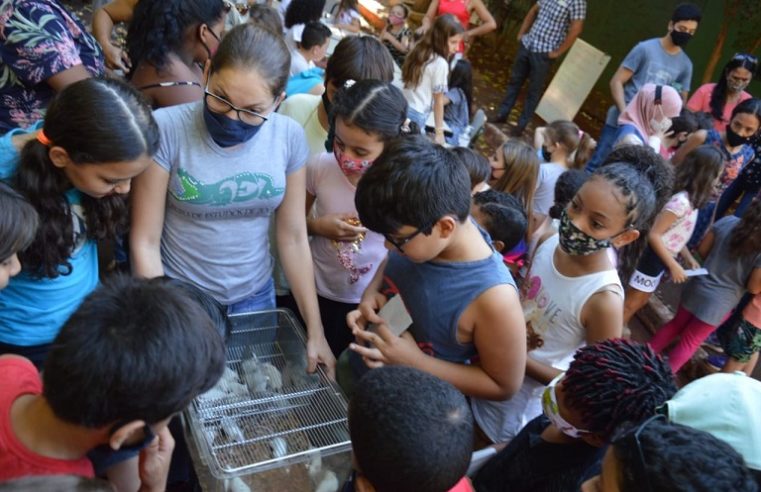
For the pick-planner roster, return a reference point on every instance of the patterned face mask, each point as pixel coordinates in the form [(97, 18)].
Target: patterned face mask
[(576, 242), (552, 411), (350, 166)]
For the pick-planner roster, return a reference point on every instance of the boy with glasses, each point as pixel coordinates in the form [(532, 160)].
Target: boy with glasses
[(468, 327), (660, 61)]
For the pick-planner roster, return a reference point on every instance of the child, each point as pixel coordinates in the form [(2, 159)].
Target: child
[(346, 255), (660, 456), (311, 45), (567, 148), (426, 71), (733, 143), (572, 294), (502, 216), (97, 135), (695, 180), (478, 168), (347, 16), (732, 252), (647, 117), (458, 100), (605, 386), (515, 170), (18, 226), (134, 353), (460, 296), (396, 35), (410, 432)]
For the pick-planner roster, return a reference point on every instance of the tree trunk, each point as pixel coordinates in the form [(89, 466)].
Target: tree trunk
[(730, 12)]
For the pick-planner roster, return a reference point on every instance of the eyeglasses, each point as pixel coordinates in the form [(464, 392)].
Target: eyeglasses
[(399, 243), (640, 454), (221, 105)]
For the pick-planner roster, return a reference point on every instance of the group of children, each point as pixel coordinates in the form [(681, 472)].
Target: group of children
[(518, 273)]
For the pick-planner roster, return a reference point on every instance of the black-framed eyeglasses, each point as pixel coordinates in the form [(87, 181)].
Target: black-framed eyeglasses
[(221, 105), (641, 464), (400, 242)]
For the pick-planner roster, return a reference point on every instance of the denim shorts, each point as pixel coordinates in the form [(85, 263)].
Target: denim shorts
[(263, 300)]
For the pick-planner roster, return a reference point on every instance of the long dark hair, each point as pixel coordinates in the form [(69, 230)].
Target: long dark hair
[(746, 235), (434, 42), (95, 121), (697, 174), (158, 27), (461, 76), (18, 222), (376, 107), (719, 93), (303, 12)]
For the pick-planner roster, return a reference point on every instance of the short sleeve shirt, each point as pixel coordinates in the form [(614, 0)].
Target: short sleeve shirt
[(38, 39), (650, 63), (434, 81), (733, 163), (551, 25), (680, 231), (219, 200), (19, 377), (700, 101), (302, 108)]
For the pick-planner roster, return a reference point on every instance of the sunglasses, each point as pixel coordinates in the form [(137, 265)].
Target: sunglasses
[(745, 57)]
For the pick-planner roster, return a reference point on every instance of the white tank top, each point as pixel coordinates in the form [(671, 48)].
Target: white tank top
[(552, 304)]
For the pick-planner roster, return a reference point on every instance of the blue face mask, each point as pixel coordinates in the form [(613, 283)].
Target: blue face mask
[(225, 131), (103, 457)]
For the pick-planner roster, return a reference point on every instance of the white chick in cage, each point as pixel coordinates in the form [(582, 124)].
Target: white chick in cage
[(274, 378), (279, 447), (236, 485), (253, 375), (323, 479), (231, 429), (295, 374)]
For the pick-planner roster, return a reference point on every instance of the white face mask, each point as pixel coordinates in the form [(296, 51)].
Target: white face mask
[(662, 126), (552, 411)]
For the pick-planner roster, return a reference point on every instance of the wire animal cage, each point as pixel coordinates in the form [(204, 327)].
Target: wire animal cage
[(268, 425)]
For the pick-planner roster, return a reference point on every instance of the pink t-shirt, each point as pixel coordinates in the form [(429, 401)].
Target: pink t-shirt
[(680, 231), (342, 269), (701, 101)]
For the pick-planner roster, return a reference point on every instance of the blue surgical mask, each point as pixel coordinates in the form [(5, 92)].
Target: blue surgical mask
[(103, 457), (227, 132)]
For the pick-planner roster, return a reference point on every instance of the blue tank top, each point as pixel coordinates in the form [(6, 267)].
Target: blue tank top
[(436, 294)]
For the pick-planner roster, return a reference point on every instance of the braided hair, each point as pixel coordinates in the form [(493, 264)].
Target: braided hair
[(616, 381)]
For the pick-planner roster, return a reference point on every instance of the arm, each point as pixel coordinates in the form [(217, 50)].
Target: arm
[(528, 21), (438, 117), (754, 282), (102, 26), (704, 249), (539, 137), (403, 46), (693, 141), (663, 222), (354, 26), (296, 259), (488, 24), (163, 98), (65, 78), (148, 207), (617, 82), (689, 260), (430, 14), (574, 30)]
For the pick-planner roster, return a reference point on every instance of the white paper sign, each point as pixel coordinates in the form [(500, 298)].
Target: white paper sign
[(573, 82)]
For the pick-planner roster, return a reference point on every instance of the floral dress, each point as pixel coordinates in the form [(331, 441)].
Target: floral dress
[(38, 39)]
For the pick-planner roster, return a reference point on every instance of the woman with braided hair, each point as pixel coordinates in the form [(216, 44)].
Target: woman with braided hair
[(168, 42), (607, 384)]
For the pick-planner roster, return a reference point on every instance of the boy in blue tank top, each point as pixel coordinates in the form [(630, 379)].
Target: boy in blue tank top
[(468, 327)]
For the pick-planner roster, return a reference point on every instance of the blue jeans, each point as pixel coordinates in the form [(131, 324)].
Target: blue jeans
[(604, 147), (738, 187), (263, 300), (418, 118), (528, 65)]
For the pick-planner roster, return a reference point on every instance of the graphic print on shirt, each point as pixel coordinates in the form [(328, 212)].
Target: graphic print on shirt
[(239, 188), (348, 250), (539, 310)]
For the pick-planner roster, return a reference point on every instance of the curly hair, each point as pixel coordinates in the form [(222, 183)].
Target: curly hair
[(617, 381), (674, 457), (158, 27), (95, 121), (647, 186)]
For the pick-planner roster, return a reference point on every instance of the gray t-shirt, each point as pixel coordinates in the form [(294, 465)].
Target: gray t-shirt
[(710, 297), (652, 64), (544, 197), (219, 200)]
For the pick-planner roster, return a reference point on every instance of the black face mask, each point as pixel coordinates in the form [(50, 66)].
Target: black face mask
[(680, 38), (103, 457), (735, 140)]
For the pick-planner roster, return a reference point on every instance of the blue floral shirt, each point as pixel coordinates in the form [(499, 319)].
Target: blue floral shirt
[(38, 39)]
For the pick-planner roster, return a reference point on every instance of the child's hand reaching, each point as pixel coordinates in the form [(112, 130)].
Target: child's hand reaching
[(336, 227), (154, 462), (677, 273), (387, 348), (367, 311)]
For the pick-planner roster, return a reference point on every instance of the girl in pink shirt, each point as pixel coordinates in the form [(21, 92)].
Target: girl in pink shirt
[(346, 255)]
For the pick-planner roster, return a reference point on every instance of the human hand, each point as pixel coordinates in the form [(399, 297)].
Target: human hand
[(337, 227), (690, 262), (439, 138), (367, 311), (154, 462), (553, 55), (318, 352), (387, 348), (677, 273), (116, 58)]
